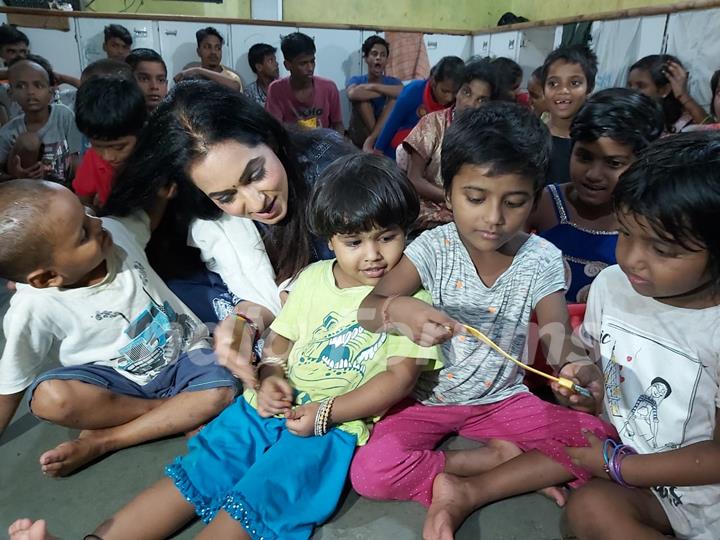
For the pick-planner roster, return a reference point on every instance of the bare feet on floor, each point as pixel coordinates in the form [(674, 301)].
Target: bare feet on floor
[(27, 529), (71, 455), (449, 508)]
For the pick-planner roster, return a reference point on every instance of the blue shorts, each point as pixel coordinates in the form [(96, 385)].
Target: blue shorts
[(276, 484), (206, 294), (194, 371)]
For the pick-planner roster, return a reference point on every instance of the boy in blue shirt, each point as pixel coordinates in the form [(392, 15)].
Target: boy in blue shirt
[(372, 95)]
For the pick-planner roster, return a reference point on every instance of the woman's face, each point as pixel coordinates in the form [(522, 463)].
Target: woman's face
[(243, 181)]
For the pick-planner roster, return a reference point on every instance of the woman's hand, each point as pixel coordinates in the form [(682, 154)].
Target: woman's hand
[(586, 374), (275, 396), (300, 421), (420, 322), (234, 340), (590, 457)]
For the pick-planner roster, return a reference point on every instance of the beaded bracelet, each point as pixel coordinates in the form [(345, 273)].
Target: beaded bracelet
[(613, 462), (322, 417)]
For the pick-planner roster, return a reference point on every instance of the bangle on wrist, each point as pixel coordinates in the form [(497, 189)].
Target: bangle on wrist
[(248, 321), (613, 460), (322, 417)]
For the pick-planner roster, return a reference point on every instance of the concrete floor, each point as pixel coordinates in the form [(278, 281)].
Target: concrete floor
[(74, 506)]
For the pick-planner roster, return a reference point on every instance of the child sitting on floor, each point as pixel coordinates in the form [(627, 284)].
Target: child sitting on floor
[(136, 363), (43, 142), (303, 98), (652, 324), (110, 112), (608, 132), (274, 464), (484, 271), (150, 72), (568, 77), (419, 98), (420, 153)]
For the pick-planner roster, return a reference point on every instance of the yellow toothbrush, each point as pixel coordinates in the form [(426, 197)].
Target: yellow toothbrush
[(562, 381)]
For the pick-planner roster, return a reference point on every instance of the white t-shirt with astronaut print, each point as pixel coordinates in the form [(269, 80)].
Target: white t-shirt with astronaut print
[(660, 365)]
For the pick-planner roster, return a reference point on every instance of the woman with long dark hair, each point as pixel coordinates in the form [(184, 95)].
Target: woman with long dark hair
[(241, 182)]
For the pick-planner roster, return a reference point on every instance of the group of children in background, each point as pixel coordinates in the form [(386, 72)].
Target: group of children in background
[(351, 345)]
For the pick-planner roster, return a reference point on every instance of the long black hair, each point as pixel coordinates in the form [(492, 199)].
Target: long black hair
[(655, 65), (194, 117)]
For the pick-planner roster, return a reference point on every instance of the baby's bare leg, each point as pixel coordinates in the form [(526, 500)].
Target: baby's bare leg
[(157, 512)]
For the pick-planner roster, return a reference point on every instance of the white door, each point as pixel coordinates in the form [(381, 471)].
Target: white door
[(178, 45), (90, 36), (440, 45), (692, 37), (505, 44), (57, 47), (619, 44), (481, 45), (245, 36), (338, 57), (535, 45)]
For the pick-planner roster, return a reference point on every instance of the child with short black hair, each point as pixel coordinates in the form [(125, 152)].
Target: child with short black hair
[(421, 151), (303, 98), (568, 77), (43, 142), (136, 364), (652, 326), (150, 72), (117, 41), (508, 75), (13, 44), (105, 66), (608, 132), (275, 463), (419, 98), (263, 63), (110, 112), (373, 95), (663, 77), (484, 271), (536, 94)]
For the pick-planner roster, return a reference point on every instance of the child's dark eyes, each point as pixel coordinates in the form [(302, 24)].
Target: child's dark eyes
[(515, 204), (615, 164), (388, 237)]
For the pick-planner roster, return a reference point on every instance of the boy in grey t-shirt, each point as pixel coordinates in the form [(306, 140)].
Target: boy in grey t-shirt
[(482, 270), (44, 141)]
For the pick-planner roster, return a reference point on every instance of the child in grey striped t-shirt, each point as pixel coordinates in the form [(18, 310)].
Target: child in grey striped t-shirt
[(482, 270)]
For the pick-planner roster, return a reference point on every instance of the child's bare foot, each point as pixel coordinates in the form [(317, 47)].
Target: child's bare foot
[(71, 455), (449, 508), (26, 529)]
